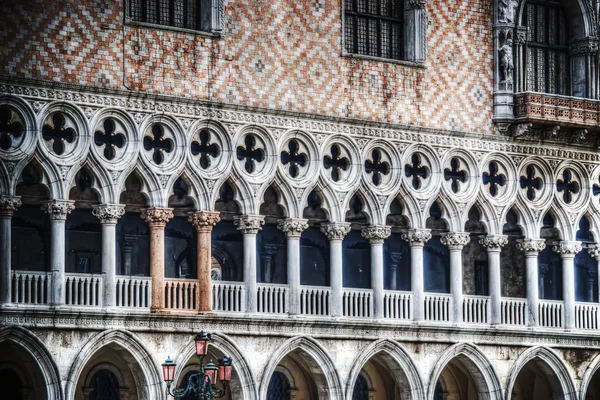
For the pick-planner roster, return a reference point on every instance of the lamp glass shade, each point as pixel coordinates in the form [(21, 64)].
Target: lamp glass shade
[(169, 370), (211, 371), (225, 369), (202, 340)]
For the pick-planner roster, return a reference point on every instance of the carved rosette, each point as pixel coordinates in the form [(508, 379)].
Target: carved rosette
[(531, 246), (108, 213), (58, 210), (417, 237), (335, 230), (494, 242), (249, 224), (8, 205), (292, 228), (455, 240), (204, 221), (157, 217), (568, 249), (376, 234)]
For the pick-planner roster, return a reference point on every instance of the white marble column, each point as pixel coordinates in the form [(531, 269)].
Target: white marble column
[(532, 248), (57, 211), (335, 232), (494, 244), (8, 205), (568, 251), (456, 241), (376, 235), (417, 238), (293, 229), (595, 252), (249, 225)]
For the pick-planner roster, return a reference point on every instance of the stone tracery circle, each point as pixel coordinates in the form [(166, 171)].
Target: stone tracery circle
[(162, 144), (421, 171), (381, 167), (342, 155), (209, 149), (459, 175), (498, 179), (254, 154), (306, 145), (123, 125)]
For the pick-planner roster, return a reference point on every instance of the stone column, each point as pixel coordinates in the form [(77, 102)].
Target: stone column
[(417, 238), (204, 221), (109, 215), (568, 251), (592, 273), (8, 205), (127, 245), (293, 229), (335, 232), (494, 244), (395, 258), (376, 235), (157, 218), (595, 252), (249, 225), (268, 252), (532, 248), (57, 211), (456, 241)]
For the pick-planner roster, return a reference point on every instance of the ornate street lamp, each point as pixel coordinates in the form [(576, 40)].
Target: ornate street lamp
[(202, 384)]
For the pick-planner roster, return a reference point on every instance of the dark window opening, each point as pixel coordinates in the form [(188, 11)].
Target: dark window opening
[(186, 14)]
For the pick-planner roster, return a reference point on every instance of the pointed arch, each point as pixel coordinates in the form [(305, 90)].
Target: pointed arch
[(49, 176), (151, 188), (588, 375), (316, 354), (325, 206), (192, 185), (592, 217), (285, 198), (410, 208), (490, 228), (580, 14), (367, 204), (100, 182)]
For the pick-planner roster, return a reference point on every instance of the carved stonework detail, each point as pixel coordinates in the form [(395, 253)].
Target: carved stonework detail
[(108, 213), (583, 46), (494, 242), (8, 205), (249, 224), (595, 252), (292, 228), (418, 4), (505, 53), (506, 11), (58, 209), (568, 249), (376, 234), (455, 240), (417, 237), (157, 217), (531, 246), (204, 221), (335, 230)]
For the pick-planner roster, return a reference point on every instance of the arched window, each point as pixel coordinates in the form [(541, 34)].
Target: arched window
[(104, 385), (279, 387), (361, 389)]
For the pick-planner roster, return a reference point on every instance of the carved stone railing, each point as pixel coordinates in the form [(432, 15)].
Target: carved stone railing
[(476, 309), (437, 307), (358, 303), (549, 108), (551, 313), (272, 298), (315, 300), (83, 290), (513, 311), (586, 315), (134, 291), (30, 287), (228, 296), (397, 305), (180, 294)]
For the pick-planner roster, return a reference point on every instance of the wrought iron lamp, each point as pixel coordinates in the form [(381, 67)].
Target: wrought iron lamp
[(202, 384)]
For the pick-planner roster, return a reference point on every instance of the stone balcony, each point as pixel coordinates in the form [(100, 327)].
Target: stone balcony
[(548, 109)]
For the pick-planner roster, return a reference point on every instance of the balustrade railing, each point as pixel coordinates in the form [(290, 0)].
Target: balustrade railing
[(476, 309), (228, 296), (437, 307), (551, 313), (513, 311), (272, 298), (83, 290), (586, 315), (134, 291), (180, 294), (358, 303), (315, 300), (397, 305), (30, 287)]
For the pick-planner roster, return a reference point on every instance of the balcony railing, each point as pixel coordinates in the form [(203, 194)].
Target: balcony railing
[(30, 287), (358, 303), (513, 311), (549, 108), (586, 315), (437, 307), (228, 296), (83, 290), (180, 294), (134, 291), (397, 305), (551, 313), (476, 309), (315, 300), (272, 298)]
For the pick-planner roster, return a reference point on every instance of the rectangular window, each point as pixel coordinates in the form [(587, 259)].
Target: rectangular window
[(185, 14)]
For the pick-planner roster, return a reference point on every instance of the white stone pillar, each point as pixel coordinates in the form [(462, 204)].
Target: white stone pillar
[(57, 211), (8, 205), (532, 248), (109, 215), (595, 252), (568, 251), (335, 232), (456, 241), (376, 235), (293, 229), (249, 225), (417, 238), (494, 244)]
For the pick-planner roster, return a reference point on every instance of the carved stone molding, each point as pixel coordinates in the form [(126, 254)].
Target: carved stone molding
[(249, 224), (204, 220), (531, 246), (583, 46), (567, 249), (418, 4), (494, 242), (335, 230), (376, 234), (417, 237), (8, 205), (58, 209), (292, 228), (108, 213), (157, 217), (455, 240)]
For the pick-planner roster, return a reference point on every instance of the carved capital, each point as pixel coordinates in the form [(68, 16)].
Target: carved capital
[(8, 205), (567, 249), (455, 240), (204, 221), (292, 228), (595, 252), (58, 209), (108, 213), (335, 230), (417, 4), (249, 224), (157, 217), (376, 234), (583, 46), (417, 237), (531, 246), (494, 242)]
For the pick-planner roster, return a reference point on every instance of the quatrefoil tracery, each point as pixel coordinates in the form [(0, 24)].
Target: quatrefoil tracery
[(250, 153), (568, 186), (9, 129), (377, 167), (205, 149), (455, 174), (294, 158), (494, 179), (531, 183), (416, 171), (109, 139), (336, 162), (58, 134), (157, 143)]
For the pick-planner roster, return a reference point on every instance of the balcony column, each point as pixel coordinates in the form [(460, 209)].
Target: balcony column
[(532, 248), (8, 205), (456, 241), (595, 252), (157, 218), (568, 251), (335, 232), (204, 221), (268, 252), (376, 235), (57, 211), (109, 215), (249, 225), (395, 258), (293, 229), (494, 244), (127, 245), (417, 238)]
